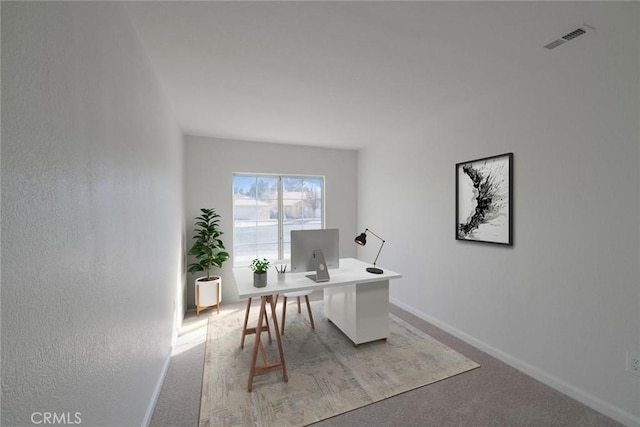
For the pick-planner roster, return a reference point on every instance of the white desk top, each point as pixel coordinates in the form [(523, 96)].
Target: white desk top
[(351, 271)]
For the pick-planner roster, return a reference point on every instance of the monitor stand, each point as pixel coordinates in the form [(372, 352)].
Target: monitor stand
[(322, 273)]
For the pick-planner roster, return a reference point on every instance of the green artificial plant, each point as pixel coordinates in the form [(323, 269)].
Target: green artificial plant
[(207, 248), (259, 266)]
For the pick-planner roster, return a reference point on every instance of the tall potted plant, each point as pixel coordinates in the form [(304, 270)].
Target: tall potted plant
[(208, 249)]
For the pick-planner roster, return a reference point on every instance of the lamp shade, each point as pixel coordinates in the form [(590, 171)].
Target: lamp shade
[(361, 239)]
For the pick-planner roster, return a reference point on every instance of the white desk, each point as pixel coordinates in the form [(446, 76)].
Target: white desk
[(355, 300)]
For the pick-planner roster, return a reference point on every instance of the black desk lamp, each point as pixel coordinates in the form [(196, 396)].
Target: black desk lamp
[(362, 240)]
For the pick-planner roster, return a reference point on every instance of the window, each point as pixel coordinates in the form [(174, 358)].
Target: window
[(265, 210)]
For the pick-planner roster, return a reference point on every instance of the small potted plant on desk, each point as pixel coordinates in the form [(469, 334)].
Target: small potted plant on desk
[(209, 251), (259, 268)]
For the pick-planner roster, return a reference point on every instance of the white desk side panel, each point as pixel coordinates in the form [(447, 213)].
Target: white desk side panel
[(361, 310)]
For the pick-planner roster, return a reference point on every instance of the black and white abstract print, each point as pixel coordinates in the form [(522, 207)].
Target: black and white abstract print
[(483, 205)]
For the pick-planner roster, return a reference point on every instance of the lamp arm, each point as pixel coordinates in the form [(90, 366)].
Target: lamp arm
[(367, 230), (379, 250)]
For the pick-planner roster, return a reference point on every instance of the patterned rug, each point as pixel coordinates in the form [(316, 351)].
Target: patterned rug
[(327, 374)]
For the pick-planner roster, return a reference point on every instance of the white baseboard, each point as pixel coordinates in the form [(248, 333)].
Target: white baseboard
[(156, 392), (580, 395)]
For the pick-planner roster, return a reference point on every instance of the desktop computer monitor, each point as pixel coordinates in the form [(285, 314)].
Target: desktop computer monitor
[(305, 242)]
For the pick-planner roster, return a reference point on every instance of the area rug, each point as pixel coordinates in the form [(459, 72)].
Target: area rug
[(327, 374)]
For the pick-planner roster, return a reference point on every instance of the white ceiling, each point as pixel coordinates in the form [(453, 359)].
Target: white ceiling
[(346, 74)]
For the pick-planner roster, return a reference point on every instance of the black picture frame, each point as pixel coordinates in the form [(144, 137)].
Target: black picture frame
[(484, 200)]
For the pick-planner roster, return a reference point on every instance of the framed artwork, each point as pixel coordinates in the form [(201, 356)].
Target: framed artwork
[(484, 200)]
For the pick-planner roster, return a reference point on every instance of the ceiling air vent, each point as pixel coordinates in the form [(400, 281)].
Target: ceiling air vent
[(569, 36), (555, 43), (573, 34)]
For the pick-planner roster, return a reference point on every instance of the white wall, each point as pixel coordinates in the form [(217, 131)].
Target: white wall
[(92, 216), (209, 167), (563, 302)]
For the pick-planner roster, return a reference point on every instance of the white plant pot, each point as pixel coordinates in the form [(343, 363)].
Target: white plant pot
[(208, 293)]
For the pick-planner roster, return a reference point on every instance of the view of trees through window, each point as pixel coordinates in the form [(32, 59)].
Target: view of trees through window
[(266, 209)]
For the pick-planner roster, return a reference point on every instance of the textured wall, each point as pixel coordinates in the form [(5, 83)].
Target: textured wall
[(563, 302), (210, 164), (92, 216)]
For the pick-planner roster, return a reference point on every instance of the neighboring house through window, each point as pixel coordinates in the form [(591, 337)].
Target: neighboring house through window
[(265, 210)]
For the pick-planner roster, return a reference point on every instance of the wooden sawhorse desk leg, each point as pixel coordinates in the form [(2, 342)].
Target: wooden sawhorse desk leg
[(248, 331), (267, 367)]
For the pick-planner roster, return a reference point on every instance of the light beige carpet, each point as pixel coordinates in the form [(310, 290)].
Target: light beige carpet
[(327, 374)]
